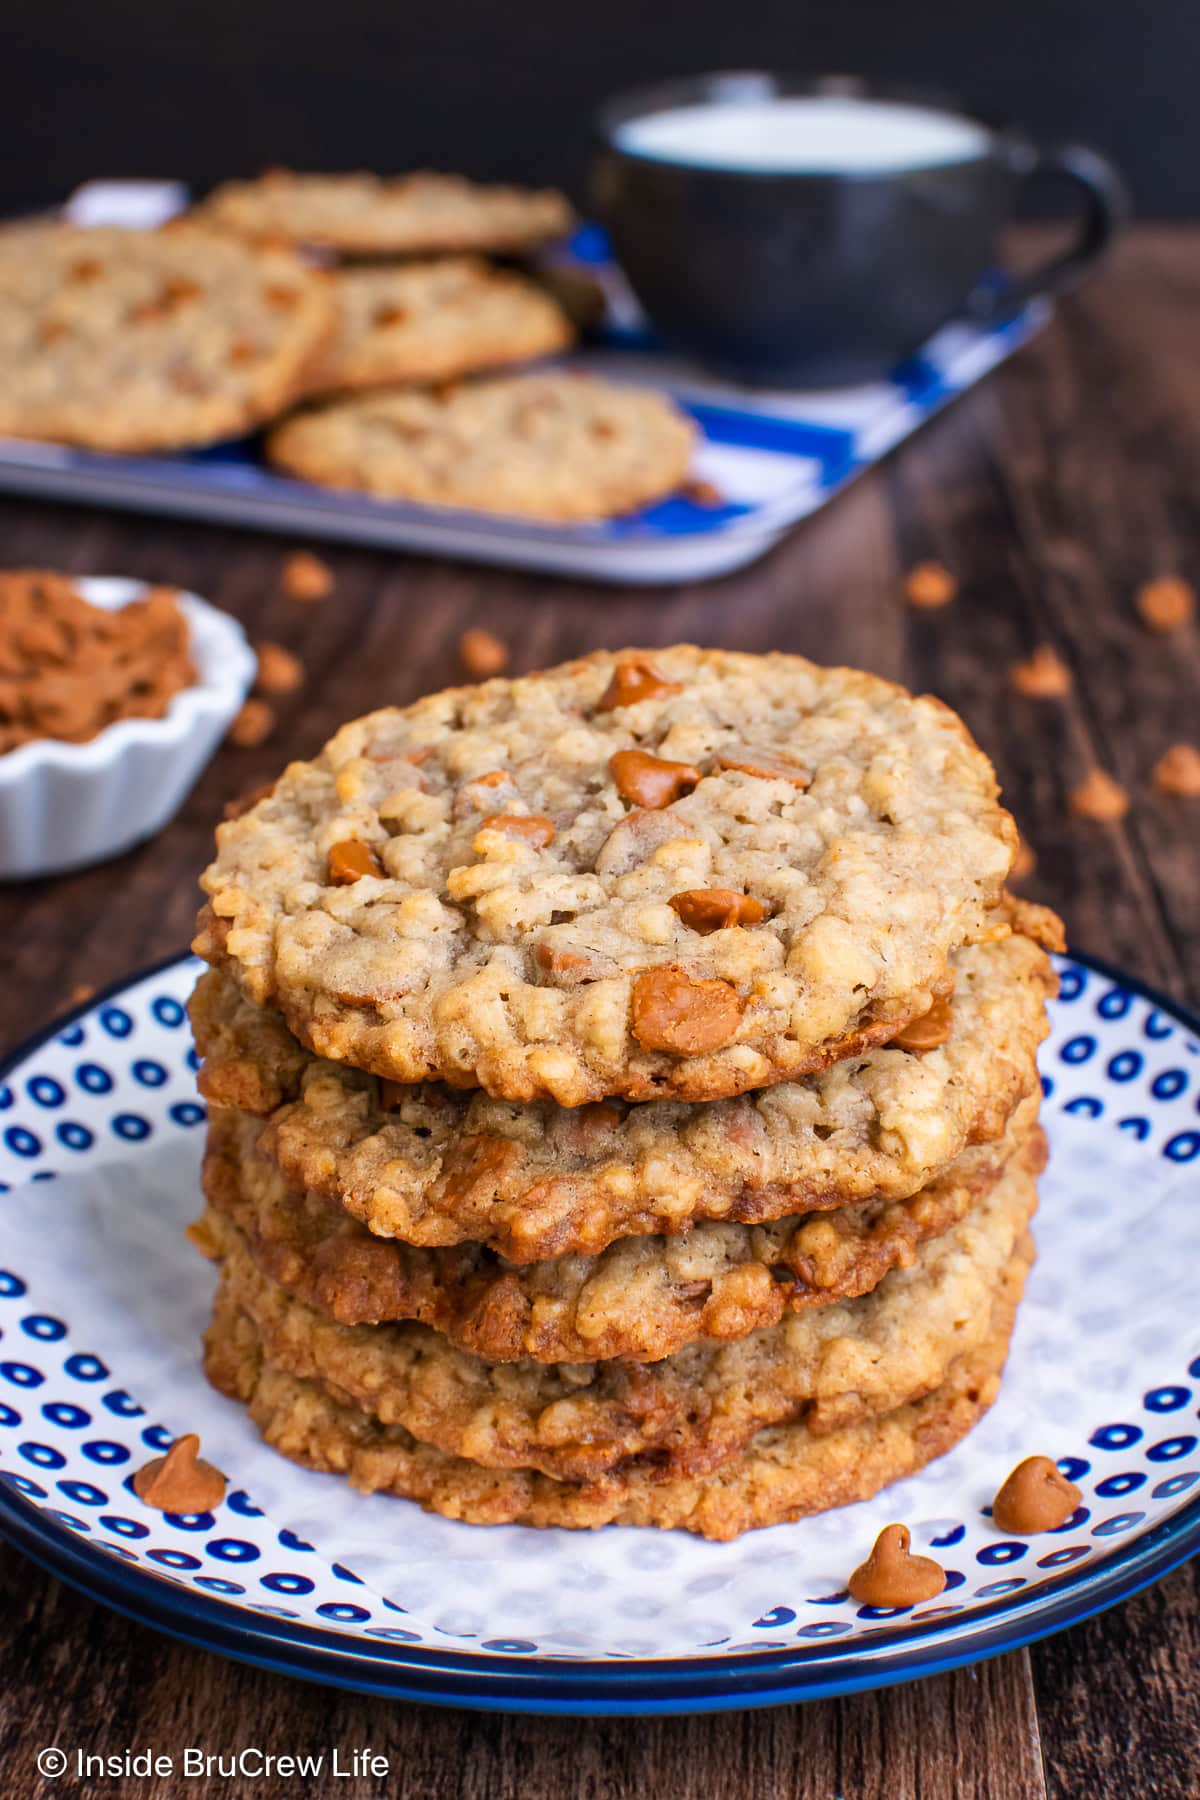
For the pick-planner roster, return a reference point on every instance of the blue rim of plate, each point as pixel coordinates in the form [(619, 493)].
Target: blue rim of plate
[(583, 1687)]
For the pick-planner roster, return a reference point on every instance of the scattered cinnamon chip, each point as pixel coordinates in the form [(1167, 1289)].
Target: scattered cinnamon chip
[(1099, 797), (1036, 1497), (252, 726), (482, 653), (80, 994), (1167, 604), (892, 1576), (930, 585), (306, 577), (1043, 676), (1177, 772), (279, 672), (180, 1482)]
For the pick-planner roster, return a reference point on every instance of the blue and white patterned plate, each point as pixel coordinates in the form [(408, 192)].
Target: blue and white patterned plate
[(101, 1305)]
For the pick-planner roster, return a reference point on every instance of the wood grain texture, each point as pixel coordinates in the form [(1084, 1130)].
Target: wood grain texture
[(1052, 492)]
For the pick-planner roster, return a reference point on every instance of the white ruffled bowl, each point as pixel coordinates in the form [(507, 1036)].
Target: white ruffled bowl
[(64, 806)]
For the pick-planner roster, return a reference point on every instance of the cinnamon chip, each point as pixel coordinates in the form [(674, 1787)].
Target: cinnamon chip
[(306, 577), (928, 1031), (650, 781), (702, 493), (671, 1011), (929, 585), (535, 828), (1177, 772), (635, 680), (180, 1482), (1043, 676), (1024, 862), (279, 672), (68, 669), (1167, 604), (768, 765), (350, 860), (481, 653), (81, 993), (892, 1576), (1099, 797), (1036, 1497), (715, 909), (252, 726)]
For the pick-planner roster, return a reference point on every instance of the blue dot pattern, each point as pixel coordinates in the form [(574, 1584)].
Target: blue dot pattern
[(72, 1435)]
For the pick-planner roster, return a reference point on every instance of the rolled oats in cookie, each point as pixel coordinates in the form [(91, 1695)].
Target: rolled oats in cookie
[(556, 966), (401, 215), (684, 1415), (785, 1472), (144, 340), (642, 1298), (435, 321), (543, 445), (436, 1166)]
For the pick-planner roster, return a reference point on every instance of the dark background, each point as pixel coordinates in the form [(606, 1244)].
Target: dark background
[(203, 89)]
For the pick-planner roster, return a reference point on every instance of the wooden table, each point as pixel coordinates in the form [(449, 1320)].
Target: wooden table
[(1052, 492)]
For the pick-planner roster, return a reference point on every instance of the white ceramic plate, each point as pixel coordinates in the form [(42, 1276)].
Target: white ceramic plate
[(102, 1303)]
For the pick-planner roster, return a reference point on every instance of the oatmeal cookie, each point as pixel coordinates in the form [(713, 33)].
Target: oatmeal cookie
[(146, 340), (683, 1416), (433, 322), (541, 445), (785, 1472), (681, 875), (420, 214), (642, 1299), (435, 1166)]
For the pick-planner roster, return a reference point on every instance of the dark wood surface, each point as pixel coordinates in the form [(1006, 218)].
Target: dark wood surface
[(1052, 492)]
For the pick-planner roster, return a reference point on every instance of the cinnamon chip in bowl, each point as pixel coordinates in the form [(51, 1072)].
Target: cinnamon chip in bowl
[(113, 695)]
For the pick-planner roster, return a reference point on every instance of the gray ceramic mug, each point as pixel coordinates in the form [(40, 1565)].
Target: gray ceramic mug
[(803, 277)]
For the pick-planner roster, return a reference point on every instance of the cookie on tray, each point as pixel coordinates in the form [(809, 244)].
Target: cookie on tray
[(148, 340), (785, 1472), (550, 446), (430, 322), (642, 1298), (683, 1416), (678, 875), (400, 215), (436, 1166)]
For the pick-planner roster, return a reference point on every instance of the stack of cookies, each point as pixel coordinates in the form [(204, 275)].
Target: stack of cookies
[(623, 1094)]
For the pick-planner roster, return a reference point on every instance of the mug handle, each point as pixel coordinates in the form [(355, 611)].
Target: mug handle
[(1105, 214)]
